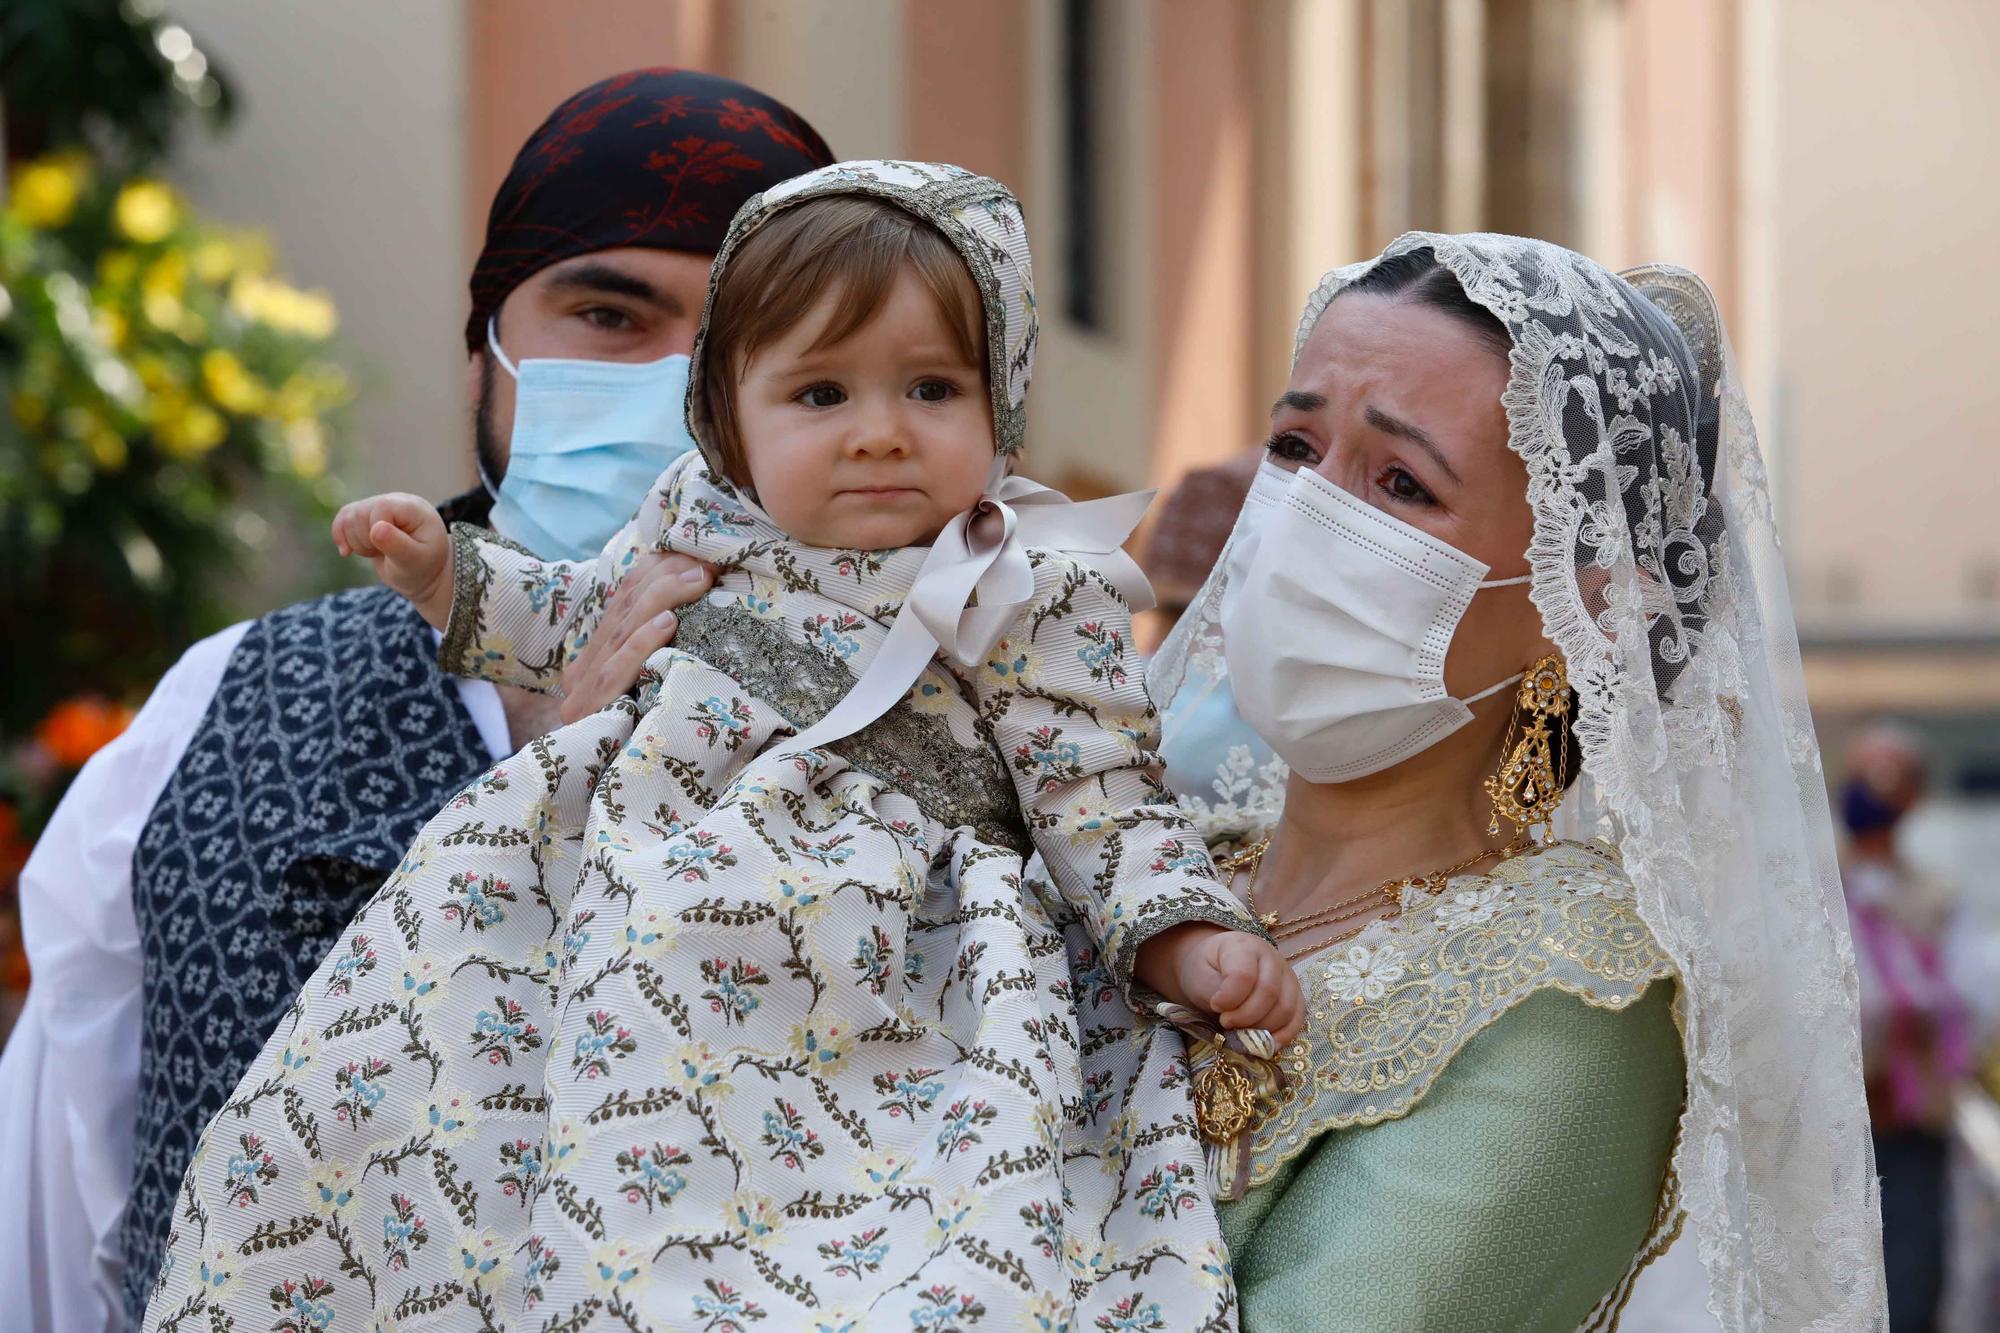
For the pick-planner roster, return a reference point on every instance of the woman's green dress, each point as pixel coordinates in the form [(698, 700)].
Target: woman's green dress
[(1479, 1118)]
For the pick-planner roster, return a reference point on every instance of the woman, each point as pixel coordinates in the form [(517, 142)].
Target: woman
[(1527, 1060)]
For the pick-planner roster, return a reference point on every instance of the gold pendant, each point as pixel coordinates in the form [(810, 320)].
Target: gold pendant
[(1222, 1101)]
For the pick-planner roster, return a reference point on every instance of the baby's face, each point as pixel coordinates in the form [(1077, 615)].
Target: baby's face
[(874, 442)]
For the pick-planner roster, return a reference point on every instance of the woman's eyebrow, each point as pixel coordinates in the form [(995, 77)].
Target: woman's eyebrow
[(1402, 429), (1299, 401)]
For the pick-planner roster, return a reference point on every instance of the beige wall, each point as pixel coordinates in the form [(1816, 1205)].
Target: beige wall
[(1822, 161), (348, 150), (841, 65), (1091, 410), (524, 57), (1887, 317), (965, 99)]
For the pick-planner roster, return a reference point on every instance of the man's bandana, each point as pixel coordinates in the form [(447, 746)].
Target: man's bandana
[(659, 158)]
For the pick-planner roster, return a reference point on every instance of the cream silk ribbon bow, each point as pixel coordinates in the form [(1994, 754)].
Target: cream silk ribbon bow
[(975, 583)]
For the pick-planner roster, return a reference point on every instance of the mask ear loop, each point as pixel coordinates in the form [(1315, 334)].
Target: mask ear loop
[(493, 341), (1492, 690), (1518, 676)]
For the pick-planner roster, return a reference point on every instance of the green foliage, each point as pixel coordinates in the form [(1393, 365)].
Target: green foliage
[(163, 402), (114, 75)]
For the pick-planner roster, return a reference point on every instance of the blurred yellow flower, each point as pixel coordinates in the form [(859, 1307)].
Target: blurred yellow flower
[(112, 326), (104, 445), (307, 393), (107, 448), (163, 310), (146, 211), (214, 260), (154, 372), (229, 384), (305, 445), (167, 274), (30, 409), (46, 190), (283, 307), (186, 429), (117, 268), (161, 288)]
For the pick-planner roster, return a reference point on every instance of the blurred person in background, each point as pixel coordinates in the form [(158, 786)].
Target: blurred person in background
[(202, 864), (1915, 1031)]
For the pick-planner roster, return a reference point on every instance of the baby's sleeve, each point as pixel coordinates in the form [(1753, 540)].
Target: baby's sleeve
[(1063, 698), (517, 619)]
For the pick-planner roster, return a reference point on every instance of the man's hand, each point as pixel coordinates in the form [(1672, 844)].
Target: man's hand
[(1243, 980), (638, 621), (406, 541)]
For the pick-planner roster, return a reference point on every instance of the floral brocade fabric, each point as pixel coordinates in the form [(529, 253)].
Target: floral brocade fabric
[(1388, 1011), (658, 1026)]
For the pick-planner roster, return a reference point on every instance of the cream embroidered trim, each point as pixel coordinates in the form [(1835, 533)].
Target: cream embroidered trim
[(1390, 1009)]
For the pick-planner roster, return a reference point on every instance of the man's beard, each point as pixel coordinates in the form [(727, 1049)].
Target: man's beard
[(485, 439), (476, 505)]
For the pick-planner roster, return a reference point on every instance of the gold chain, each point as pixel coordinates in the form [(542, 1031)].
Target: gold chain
[(1253, 858), (1389, 893)]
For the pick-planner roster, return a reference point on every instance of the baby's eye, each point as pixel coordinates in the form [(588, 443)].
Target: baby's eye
[(822, 395), (934, 391)]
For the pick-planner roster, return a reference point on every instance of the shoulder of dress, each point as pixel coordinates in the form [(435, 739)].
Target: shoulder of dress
[(1389, 1011), (1566, 868), (1063, 579)]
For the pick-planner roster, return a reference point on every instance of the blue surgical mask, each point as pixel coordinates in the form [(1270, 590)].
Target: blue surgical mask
[(589, 438)]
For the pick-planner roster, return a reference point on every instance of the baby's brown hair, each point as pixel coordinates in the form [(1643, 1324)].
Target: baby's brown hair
[(849, 245)]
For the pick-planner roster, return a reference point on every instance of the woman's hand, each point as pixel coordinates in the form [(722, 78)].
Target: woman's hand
[(1241, 979), (638, 621), (406, 541)]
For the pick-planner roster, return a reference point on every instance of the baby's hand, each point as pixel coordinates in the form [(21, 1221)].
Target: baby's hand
[(406, 541), (1232, 974)]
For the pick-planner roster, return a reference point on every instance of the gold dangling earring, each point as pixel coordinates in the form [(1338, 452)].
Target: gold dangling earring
[(1528, 787)]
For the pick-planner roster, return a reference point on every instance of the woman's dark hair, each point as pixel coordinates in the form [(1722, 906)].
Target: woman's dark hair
[(1416, 275)]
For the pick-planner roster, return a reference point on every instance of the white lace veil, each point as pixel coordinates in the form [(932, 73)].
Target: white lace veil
[(1657, 573)]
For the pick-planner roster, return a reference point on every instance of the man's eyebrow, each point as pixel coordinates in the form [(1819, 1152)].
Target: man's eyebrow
[(598, 277), (1396, 426), (1299, 401)]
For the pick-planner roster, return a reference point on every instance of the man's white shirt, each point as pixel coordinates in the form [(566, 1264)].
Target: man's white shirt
[(69, 1077)]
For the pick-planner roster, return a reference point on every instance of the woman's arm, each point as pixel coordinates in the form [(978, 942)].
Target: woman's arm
[(1513, 1197)]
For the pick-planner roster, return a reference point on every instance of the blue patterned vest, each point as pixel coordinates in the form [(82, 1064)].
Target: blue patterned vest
[(331, 740)]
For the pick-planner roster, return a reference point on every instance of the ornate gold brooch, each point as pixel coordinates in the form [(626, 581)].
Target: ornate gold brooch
[(1224, 1102)]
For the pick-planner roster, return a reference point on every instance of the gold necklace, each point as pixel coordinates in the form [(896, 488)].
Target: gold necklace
[(1388, 894), (1252, 857)]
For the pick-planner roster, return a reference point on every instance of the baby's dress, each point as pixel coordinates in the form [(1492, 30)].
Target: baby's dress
[(661, 1025)]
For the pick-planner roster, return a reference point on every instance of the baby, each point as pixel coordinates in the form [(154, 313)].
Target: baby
[(736, 998)]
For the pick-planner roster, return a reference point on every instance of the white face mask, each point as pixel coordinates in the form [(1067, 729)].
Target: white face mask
[(1336, 631), (1267, 491)]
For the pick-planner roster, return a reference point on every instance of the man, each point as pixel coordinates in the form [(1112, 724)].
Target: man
[(204, 863)]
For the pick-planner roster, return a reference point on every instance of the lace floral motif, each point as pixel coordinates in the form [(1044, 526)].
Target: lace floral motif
[(1388, 1012)]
